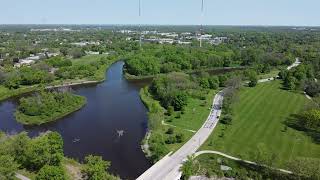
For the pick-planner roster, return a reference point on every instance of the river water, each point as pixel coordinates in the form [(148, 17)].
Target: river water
[(111, 106)]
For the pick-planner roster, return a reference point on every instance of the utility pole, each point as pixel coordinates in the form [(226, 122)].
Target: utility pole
[(201, 23), (140, 23)]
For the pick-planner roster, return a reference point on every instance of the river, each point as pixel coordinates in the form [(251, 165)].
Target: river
[(112, 105)]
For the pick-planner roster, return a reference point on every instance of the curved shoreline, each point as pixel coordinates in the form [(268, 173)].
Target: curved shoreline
[(23, 119)]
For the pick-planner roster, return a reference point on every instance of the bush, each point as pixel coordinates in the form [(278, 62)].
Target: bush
[(180, 138), (170, 110), (170, 131), (312, 88), (170, 140), (227, 119), (51, 173)]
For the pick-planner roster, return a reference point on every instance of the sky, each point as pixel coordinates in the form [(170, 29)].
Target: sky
[(164, 12)]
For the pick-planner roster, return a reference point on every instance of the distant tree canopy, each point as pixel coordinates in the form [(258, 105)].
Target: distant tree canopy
[(141, 65), (58, 62), (169, 89), (26, 76)]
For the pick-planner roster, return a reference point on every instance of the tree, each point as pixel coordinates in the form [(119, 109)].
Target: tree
[(170, 131), (290, 82), (77, 53), (310, 119), (19, 146), (45, 150), (2, 76), (227, 119), (64, 51), (179, 100), (312, 88), (253, 79), (8, 167), (170, 110), (95, 168), (12, 80), (51, 173), (188, 168), (213, 82)]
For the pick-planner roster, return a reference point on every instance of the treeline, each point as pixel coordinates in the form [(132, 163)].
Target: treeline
[(154, 59), (44, 156), (47, 106), (261, 50), (173, 92), (47, 71)]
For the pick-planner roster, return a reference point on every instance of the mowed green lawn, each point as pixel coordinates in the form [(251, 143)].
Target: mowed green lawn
[(196, 112), (258, 118), (88, 59)]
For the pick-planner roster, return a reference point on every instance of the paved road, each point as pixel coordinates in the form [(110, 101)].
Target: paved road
[(21, 177), (237, 159), (295, 64), (168, 167)]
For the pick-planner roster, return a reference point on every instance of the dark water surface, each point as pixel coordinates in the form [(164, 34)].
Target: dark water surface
[(112, 105)]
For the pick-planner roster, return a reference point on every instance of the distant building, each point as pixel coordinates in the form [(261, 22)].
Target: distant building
[(85, 43), (166, 41), (92, 53), (24, 62), (218, 40), (184, 42)]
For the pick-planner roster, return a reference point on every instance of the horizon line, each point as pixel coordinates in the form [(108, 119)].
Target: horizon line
[(124, 24)]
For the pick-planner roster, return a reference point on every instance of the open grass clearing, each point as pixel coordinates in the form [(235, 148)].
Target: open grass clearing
[(258, 118)]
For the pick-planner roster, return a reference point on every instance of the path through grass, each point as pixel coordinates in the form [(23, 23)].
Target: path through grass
[(258, 118)]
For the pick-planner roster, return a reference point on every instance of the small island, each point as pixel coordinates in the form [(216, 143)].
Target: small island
[(45, 107)]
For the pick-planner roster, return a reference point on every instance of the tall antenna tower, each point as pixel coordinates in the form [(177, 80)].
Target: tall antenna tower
[(140, 40), (201, 23)]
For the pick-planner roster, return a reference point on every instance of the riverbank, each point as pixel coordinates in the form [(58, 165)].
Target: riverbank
[(74, 103), (212, 71), (99, 76), (162, 127)]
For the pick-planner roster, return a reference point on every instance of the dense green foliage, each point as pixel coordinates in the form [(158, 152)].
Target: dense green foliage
[(47, 106), (154, 59), (95, 169), (51, 173), (58, 62), (20, 151), (8, 167), (26, 76)]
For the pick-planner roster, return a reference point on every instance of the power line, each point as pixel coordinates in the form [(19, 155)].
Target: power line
[(140, 23), (201, 23)]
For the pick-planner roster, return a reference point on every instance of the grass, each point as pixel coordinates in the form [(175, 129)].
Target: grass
[(37, 120), (258, 118), (195, 114), (272, 73), (87, 59), (7, 93), (210, 165), (99, 76)]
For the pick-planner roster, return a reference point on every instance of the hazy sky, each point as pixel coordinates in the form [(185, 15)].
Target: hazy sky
[(217, 12)]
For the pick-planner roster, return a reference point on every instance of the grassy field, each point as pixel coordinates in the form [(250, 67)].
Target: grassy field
[(195, 114), (272, 73), (88, 59), (258, 118), (98, 76)]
